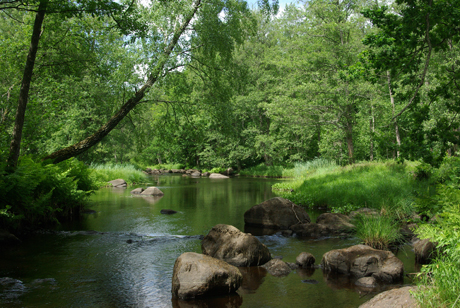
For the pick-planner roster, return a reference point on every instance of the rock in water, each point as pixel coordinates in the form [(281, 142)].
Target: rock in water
[(168, 212), (276, 213), (137, 191), (400, 298), (217, 176), (277, 267), (118, 183), (152, 191), (196, 275), (305, 259), (229, 244), (363, 261), (424, 250)]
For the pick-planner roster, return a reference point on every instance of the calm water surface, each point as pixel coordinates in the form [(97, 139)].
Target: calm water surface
[(89, 263)]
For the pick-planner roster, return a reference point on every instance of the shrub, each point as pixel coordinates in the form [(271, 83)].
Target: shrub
[(37, 194), (443, 275)]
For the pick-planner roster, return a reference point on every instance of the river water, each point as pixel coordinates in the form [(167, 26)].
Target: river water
[(122, 255)]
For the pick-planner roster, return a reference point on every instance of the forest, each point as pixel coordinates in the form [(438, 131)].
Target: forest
[(217, 84)]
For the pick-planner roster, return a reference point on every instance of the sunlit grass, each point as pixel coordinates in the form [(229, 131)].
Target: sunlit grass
[(103, 173), (375, 185), (379, 232)]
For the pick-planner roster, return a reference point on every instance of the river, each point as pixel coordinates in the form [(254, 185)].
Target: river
[(122, 255)]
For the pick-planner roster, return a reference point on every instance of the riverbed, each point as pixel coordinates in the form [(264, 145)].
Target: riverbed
[(122, 254)]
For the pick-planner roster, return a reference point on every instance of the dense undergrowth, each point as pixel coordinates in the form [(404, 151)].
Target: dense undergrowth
[(396, 191), (39, 194)]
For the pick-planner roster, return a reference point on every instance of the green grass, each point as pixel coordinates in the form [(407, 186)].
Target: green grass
[(376, 185), (263, 170), (379, 232), (168, 166), (102, 173)]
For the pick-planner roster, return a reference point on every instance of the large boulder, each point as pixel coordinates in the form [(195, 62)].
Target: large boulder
[(152, 191), (118, 183), (364, 261), (276, 213), (196, 275), (277, 267), (335, 222), (401, 298), (217, 176), (425, 251), (227, 243)]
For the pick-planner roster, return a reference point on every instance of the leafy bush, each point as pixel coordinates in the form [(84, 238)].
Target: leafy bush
[(37, 193), (443, 275), (103, 173), (448, 172)]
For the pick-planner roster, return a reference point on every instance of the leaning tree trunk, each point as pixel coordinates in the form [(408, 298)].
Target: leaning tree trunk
[(15, 145), (92, 140)]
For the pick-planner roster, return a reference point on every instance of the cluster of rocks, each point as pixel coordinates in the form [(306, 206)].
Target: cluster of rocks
[(190, 172), (225, 248), (279, 214)]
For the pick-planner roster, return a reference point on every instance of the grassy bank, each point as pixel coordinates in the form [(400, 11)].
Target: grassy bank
[(103, 173), (389, 186)]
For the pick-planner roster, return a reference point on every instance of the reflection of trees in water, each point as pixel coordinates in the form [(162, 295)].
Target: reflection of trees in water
[(229, 301)]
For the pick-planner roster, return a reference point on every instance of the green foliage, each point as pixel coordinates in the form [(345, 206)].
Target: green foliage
[(442, 276), (103, 173), (268, 171), (449, 172), (168, 166), (379, 232), (374, 185), (37, 194)]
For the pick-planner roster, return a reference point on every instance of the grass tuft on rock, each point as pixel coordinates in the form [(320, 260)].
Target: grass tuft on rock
[(379, 232)]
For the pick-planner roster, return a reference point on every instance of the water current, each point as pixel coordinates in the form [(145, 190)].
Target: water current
[(123, 253)]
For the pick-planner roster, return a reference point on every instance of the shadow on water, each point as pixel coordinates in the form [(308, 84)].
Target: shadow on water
[(123, 253)]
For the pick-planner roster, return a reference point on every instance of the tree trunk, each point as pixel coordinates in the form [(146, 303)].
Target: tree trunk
[(15, 145), (92, 140), (372, 128), (392, 99)]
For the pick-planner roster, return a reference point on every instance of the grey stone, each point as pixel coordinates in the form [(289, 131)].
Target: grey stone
[(305, 259), (401, 298), (229, 244), (363, 261), (152, 191), (366, 282), (118, 183), (196, 275), (137, 191), (277, 267), (217, 176), (425, 251)]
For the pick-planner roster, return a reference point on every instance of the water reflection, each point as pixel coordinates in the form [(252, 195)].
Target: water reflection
[(231, 301), (253, 277)]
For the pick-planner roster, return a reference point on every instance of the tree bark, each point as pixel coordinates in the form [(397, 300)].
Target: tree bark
[(15, 145), (92, 140), (392, 99)]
